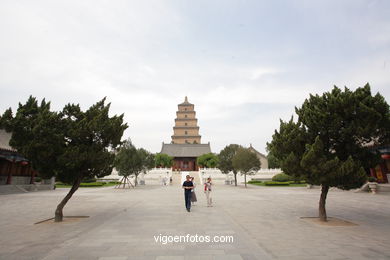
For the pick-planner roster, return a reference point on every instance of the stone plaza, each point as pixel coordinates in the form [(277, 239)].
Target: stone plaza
[(265, 223)]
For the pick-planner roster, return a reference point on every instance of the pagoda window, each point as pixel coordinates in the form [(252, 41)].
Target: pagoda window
[(185, 132), (185, 123), (185, 116)]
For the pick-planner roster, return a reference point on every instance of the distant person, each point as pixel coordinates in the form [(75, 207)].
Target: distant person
[(193, 195), (188, 186), (207, 191)]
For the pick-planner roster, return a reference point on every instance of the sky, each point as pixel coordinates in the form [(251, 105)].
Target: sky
[(244, 64)]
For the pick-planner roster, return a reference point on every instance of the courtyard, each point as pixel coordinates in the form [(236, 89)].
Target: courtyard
[(265, 223)]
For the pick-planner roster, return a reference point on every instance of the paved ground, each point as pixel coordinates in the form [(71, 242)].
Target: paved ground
[(264, 222)]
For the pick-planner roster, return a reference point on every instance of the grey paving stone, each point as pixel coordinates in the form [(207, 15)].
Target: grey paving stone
[(264, 221)]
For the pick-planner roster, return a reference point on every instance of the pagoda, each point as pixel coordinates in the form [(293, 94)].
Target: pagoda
[(186, 129), (186, 145)]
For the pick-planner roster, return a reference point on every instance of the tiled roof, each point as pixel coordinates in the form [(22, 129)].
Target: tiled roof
[(185, 150)]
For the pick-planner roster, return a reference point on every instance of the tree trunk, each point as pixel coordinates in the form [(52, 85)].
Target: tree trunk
[(235, 178), (245, 179), (58, 215), (136, 180), (321, 209)]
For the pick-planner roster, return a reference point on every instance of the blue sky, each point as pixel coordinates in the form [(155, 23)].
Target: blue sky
[(244, 64)]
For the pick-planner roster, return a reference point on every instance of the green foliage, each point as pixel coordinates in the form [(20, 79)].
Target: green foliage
[(276, 183), (208, 160), (132, 161), (37, 133), (127, 160), (87, 184), (254, 182), (245, 161), (147, 159), (92, 184), (226, 158), (89, 138), (282, 177), (71, 145), (273, 162), (163, 160), (346, 174), (328, 143)]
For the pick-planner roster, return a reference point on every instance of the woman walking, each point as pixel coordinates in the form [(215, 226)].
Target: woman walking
[(193, 195), (207, 191)]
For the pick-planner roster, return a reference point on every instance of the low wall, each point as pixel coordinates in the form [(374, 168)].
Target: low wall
[(219, 177)]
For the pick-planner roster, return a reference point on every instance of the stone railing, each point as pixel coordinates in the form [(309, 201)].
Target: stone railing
[(218, 176)]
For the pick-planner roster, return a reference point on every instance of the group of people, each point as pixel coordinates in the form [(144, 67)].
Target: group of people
[(190, 195)]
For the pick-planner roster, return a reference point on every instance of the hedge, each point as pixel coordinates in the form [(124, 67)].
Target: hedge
[(282, 177), (254, 181), (277, 183)]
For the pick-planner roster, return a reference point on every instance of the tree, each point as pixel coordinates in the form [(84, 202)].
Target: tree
[(246, 162), (132, 161), (163, 160), (273, 162), (208, 160), (328, 145), (37, 134), (147, 161), (225, 160), (71, 145), (128, 161)]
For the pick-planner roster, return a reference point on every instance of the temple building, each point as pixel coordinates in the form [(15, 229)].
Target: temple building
[(14, 168), (382, 171), (186, 145), (262, 157)]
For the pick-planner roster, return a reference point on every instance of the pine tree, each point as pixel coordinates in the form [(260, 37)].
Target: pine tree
[(71, 145), (328, 145)]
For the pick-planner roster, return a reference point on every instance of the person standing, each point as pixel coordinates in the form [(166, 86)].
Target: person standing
[(207, 191), (193, 195), (188, 186)]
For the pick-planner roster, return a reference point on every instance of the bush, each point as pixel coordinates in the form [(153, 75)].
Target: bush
[(92, 184), (254, 181), (37, 179), (276, 183), (282, 177)]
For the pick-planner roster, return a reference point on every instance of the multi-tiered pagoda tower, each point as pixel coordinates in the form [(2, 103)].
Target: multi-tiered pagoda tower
[(186, 129), (185, 146)]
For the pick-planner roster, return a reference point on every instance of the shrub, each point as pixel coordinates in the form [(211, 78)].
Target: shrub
[(282, 177), (92, 184), (254, 181), (276, 183)]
